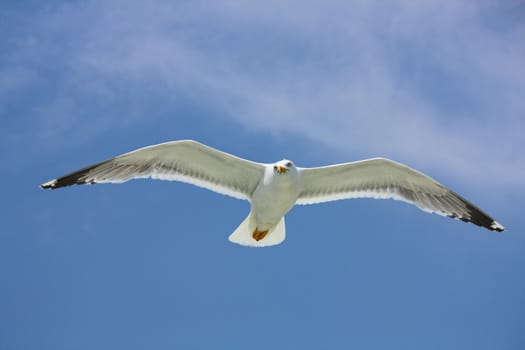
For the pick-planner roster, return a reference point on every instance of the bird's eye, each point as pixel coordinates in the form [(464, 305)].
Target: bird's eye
[(275, 167), (289, 164)]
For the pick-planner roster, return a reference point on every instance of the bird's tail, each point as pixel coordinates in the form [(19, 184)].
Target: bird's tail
[(247, 233)]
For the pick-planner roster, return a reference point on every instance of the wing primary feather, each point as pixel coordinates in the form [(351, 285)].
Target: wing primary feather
[(74, 178)]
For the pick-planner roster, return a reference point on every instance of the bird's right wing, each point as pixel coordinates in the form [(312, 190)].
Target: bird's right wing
[(186, 161), (383, 178)]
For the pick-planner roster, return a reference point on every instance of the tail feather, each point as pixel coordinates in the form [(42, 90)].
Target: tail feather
[(243, 235)]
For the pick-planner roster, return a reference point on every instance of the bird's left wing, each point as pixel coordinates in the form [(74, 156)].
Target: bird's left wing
[(383, 178), (187, 161)]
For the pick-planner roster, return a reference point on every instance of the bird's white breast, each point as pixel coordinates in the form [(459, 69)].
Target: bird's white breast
[(275, 195)]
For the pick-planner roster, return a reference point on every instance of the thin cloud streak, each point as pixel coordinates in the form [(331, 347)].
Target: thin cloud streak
[(429, 84)]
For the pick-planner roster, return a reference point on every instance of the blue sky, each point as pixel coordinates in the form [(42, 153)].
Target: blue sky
[(147, 264)]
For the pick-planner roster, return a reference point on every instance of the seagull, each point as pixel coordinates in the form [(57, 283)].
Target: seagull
[(273, 189)]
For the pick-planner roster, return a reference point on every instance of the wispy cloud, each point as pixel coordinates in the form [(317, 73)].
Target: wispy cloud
[(434, 84)]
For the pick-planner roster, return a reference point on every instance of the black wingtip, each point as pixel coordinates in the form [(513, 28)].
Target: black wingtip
[(68, 180), (75, 178), (496, 226), (48, 185), (479, 218)]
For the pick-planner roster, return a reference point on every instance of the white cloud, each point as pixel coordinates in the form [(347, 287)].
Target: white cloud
[(433, 84)]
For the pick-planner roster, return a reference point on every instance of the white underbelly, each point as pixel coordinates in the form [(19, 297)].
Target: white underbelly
[(271, 201)]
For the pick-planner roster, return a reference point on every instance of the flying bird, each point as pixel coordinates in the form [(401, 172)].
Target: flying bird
[(273, 189)]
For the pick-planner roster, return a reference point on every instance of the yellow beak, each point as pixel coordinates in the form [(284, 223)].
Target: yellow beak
[(281, 169)]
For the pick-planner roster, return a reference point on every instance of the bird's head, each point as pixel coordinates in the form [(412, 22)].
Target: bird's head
[(283, 166)]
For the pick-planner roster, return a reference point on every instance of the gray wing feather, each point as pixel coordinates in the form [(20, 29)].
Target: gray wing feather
[(186, 161), (383, 178)]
